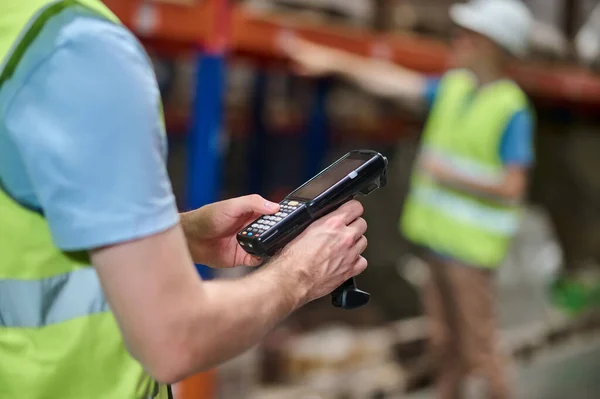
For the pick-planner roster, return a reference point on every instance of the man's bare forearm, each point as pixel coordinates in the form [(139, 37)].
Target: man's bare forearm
[(174, 323), (234, 315)]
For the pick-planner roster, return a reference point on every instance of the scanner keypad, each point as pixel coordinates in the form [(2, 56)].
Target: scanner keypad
[(266, 222)]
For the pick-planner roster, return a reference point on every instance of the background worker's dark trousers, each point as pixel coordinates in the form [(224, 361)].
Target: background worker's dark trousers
[(459, 301)]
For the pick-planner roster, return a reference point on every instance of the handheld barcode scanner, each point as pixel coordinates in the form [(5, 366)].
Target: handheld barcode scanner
[(356, 173)]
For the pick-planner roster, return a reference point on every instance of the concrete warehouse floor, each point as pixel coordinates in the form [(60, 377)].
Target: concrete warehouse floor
[(565, 372), (568, 370)]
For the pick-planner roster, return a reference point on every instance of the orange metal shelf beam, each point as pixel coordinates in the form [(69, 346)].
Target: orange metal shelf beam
[(260, 36)]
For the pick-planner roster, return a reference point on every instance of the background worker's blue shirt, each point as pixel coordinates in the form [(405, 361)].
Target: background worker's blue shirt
[(516, 147), (81, 135)]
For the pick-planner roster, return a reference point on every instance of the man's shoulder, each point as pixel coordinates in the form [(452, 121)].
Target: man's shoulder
[(70, 29), (76, 26)]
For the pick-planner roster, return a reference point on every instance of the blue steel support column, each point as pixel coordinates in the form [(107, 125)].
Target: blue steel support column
[(258, 135), (317, 137), (205, 138)]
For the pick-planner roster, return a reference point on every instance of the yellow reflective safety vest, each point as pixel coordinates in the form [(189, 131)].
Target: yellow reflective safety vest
[(464, 133), (58, 338)]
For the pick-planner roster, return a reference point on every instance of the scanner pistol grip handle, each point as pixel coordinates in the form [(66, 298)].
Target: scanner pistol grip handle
[(348, 296)]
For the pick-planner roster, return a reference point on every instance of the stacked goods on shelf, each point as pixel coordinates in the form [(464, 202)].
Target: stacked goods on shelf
[(358, 13), (178, 2), (425, 16), (429, 17), (548, 41), (587, 41), (432, 18)]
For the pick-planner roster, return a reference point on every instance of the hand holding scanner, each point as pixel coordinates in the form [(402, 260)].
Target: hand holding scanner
[(356, 173)]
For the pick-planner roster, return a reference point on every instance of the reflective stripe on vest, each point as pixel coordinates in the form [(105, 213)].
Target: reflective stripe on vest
[(498, 221), (38, 303), (464, 167)]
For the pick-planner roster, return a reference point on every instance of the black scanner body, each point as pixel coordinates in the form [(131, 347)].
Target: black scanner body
[(366, 172)]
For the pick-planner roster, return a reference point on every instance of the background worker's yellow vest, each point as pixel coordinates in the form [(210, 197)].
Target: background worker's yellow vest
[(464, 132), (58, 338)]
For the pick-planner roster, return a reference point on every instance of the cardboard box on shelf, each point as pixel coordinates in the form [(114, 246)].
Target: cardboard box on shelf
[(426, 17)]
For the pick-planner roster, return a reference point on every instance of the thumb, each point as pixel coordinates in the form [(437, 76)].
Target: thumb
[(252, 261), (257, 204)]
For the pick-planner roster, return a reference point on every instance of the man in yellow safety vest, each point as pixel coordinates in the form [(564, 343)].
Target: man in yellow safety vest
[(463, 206), (99, 297)]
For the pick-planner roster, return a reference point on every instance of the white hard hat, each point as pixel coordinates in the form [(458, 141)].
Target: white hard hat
[(506, 22)]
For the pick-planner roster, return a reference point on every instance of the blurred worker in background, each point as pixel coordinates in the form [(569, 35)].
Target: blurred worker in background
[(88, 222), (468, 181)]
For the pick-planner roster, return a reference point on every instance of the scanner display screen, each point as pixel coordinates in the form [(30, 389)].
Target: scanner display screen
[(327, 178)]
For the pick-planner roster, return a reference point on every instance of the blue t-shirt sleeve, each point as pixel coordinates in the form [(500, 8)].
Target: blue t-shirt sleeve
[(87, 125), (517, 147), (431, 89)]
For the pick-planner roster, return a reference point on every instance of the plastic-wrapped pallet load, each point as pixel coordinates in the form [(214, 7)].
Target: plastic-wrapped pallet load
[(533, 263), (240, 376), (535, 256), (338, 360), (587, 41), (358, 13)]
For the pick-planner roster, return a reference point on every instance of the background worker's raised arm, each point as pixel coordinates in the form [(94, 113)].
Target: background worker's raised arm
[(376, 76), (510, 188)]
